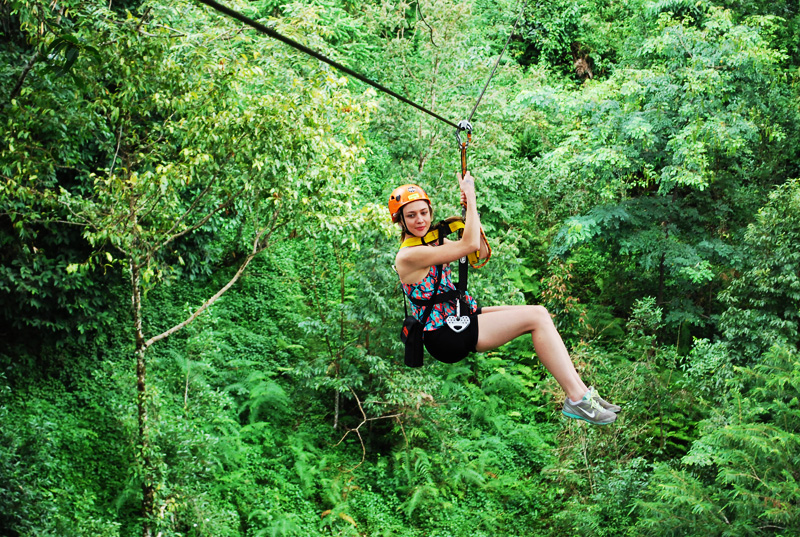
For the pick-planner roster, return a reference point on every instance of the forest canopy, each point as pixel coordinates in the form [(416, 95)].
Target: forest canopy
[(199, 316)]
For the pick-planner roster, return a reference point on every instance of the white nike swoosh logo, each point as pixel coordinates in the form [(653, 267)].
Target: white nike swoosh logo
[(589, 414)]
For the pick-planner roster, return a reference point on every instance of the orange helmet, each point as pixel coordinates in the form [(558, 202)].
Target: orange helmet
[(403, 195)]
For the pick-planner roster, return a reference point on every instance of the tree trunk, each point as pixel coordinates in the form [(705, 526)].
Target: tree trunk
[(662, 265), (661, 276), (148, 488)]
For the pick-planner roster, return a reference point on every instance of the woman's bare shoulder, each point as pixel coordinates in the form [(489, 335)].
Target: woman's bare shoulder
[(410, 253), (411, 265)]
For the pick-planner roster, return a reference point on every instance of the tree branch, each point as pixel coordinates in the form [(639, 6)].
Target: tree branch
[(190, 209), (116, 152), (15, 92), (683, 44), (422, 18), (257, 248), (195, 226), (259, 244), (364, 420)]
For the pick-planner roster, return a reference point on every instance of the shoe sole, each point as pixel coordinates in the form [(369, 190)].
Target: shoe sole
[(575, 416)]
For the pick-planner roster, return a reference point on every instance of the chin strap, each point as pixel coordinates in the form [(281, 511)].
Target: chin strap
[(448, 226)]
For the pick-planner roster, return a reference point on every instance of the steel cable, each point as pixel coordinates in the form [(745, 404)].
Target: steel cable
[(302, 48)]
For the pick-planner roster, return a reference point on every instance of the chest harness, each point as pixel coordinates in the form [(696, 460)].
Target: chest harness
[(454, 224)]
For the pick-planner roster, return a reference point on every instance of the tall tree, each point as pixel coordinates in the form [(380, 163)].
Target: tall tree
[(204, 141), (676, 154)]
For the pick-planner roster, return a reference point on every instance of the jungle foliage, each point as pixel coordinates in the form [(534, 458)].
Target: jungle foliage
[(199, 316)]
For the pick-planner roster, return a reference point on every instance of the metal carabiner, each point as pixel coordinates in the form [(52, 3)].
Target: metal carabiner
[(463, 125)]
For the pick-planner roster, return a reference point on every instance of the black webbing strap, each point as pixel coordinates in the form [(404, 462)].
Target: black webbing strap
[(461, 286), (443, 297)]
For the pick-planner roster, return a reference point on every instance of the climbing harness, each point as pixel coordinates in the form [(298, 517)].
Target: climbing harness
[(456, 322)]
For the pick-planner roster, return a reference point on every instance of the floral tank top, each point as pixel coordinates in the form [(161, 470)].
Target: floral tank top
[(423, 291)]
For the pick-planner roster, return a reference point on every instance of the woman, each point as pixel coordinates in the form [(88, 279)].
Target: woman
[(487, 328)]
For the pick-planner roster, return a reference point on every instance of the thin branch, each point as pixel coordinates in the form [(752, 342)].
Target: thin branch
[(84, 221), (193, 227), (59, 221), (258, 247), (426, 154), (422, 18), (25, 71), (200, 223), (364, 420), (88, 223), (143, 17), (153, 205), (116, 152), (689, 52), (175, 33), (402, 429), (192, 206), (186, 391)]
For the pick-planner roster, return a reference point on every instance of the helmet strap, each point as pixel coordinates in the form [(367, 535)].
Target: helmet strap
[(403, 222)]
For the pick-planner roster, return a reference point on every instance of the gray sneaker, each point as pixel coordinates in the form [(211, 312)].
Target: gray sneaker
[(588, 409), (603, 403)]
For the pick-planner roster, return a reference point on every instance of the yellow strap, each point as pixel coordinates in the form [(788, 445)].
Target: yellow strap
[(454, 223), (477, 262)]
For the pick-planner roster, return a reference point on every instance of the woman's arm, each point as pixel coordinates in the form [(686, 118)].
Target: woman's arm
[(413, 263), (483, 253)]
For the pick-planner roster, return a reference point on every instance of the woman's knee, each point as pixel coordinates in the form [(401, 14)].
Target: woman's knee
[(539, 316)]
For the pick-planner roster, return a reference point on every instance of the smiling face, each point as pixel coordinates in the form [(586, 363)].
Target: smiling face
[(417, 216)]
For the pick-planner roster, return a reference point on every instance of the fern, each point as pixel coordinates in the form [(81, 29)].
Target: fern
[(421, 495), (750, 454)]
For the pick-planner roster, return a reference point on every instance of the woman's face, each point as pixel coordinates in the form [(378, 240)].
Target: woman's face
[(417, 215)]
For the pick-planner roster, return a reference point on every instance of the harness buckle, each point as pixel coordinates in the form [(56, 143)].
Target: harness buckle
[(458, 322)]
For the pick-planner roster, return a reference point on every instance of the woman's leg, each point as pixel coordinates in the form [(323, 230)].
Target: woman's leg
[(498, 325)]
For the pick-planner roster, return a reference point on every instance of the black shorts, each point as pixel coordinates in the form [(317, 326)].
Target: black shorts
[(449, 346)]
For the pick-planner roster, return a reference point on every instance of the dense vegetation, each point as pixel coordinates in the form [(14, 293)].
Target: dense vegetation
[(199, 319)]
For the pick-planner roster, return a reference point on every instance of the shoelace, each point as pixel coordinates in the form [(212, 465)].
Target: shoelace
[(594, 403)]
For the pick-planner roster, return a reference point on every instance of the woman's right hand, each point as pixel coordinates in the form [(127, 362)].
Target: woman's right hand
[(467, 184)]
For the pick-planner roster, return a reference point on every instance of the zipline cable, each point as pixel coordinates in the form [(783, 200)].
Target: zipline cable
[(466, 124), (514, 29), (302, 48)]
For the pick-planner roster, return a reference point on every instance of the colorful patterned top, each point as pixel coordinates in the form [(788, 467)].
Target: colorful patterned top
[(423, 291)]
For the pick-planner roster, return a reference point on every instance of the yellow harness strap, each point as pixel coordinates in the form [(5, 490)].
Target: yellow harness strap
[(454, 223)]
